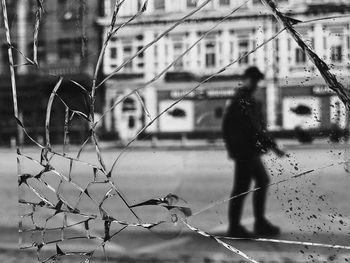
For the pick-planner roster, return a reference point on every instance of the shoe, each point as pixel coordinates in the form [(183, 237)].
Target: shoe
[(239, 232), (266, 229)]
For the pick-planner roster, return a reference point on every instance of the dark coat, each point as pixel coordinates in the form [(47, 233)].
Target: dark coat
[(243, 127)]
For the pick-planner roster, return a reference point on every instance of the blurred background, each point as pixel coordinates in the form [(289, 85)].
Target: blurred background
[(294, 96), (182, 152)]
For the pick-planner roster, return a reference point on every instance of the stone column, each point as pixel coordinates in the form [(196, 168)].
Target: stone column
[(22, 35), (271, 77)]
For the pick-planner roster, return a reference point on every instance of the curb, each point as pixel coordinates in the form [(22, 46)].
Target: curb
[(191, 145)]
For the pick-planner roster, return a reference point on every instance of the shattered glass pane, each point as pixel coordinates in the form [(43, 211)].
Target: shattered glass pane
[(129, 122)]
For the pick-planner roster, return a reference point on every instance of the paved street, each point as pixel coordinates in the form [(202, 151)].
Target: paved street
[(310, 208)]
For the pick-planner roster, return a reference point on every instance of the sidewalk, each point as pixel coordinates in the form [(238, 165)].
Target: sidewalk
[(138, 246), (195, 144), (216, 145), (192, 248)]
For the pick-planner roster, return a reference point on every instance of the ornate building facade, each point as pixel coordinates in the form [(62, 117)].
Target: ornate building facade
[(291, 79)]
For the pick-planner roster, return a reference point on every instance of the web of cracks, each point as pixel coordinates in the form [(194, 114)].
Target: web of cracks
[(47, 187)]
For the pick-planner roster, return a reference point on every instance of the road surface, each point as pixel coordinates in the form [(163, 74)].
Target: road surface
[(309, 208)]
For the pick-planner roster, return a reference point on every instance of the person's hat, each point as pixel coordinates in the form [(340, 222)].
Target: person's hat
[(254, 73)]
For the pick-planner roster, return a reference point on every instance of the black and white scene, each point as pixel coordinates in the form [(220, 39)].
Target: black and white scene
[(175, 131)]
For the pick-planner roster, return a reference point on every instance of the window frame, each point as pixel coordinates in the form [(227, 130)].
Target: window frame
[(299, 56), (245, 60), (210, 54)]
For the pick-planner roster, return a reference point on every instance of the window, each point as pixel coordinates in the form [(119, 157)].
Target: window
[(155, 52), (159, 5), (191, 3), (178, 49), (300, 56), (127, 48), (127, 52), (243, 46), (335, 43), (64, 49), (224, 2), (41, 52), (141, 54), (336, 53), (232, 48), (129, 105), (210, 55), (113, 52), (69, 50)]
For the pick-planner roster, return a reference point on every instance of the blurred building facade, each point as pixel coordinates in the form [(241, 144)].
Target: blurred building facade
[(68, 44), (291, 79)]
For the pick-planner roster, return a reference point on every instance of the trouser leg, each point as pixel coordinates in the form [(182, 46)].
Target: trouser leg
[(262, 180), (241, 184)]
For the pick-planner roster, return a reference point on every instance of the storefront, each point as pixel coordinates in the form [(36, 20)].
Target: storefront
[(198, 112), (325, 108)]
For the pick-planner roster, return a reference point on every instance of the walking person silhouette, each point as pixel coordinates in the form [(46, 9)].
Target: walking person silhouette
[(246, 140)]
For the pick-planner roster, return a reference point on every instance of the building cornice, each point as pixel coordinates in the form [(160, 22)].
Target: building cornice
[(214, 16), (173, 18)]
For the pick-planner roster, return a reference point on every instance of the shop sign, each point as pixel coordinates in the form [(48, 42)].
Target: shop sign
[(322, 90), (203, 94)]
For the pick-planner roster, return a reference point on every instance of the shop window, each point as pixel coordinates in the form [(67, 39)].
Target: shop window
[(210, 55)]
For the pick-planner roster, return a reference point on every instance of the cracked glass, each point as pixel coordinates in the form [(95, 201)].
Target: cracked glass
[(175, 131)]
